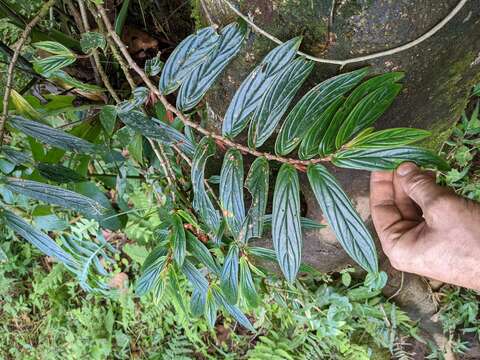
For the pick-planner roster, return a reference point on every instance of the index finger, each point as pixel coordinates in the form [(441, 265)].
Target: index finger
[(385, 212)]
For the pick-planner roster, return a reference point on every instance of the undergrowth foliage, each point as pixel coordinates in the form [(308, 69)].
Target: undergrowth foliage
[(205, 236)]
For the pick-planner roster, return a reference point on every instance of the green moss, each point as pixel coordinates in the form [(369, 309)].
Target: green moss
[(197, 14)]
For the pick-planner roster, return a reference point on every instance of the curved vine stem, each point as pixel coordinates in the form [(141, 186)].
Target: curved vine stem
[(342, 63), (11, 67), (169, 107)]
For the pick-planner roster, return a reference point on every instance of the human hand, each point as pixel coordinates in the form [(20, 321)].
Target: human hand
[(425, 228)]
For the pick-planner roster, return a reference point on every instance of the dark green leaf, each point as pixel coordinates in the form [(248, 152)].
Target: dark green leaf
[(317, 133), (202, 78), (248, 96), (247, 287), (367, 111), (179, 240), (231, 190), (201, 253), (276, 100), (108, 118), (153, 66), (311, 107), (51, 136), (257, 185), (342, 217), (270, 255), (58, 173), (211, 308), (388, 138), (155, 129), (201, 202), (38, 239), (152, 269), (286, 228), (231, 309), (229, 276), (387, 159), (91, 41), (195, 277), (187, 56), (56, 196), (358, 94)]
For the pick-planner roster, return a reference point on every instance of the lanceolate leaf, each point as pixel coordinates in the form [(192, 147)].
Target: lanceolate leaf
[(49, 65), (202, 78), (51, 136), (286, 228), (56, 196), (388, 138), (201, 202), (276, 100), (342, 217), (152, 269), (179, 240), (311, 106), (15, 156), (191, 53), (269, 254), (367, 111), (247, 287), (387, 159), (38, 239), (58, 173), (231, 309), (231, 190), (257, 185), (248, 96), (317, 133), (195, 277), (229, 276), (155, 129), (197, 302), (201, 253), (211, 308)]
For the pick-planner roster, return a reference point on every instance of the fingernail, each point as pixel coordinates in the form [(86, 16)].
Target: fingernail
[(406, 168)]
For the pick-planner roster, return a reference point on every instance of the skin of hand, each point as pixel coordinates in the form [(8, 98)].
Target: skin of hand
[(424, 228)]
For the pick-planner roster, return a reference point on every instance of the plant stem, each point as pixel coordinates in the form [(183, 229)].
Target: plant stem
[(10, 72), (169, 107)]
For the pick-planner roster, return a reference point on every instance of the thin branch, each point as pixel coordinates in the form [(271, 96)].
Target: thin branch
[(96, 57), (165, 166), (185, 119), (342, 63), (10, 72)]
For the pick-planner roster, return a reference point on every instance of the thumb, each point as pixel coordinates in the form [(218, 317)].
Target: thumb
[(419, 185)]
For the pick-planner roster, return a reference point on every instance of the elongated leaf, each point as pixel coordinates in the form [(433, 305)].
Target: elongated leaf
[(197, 302), (231, 309), (388, 138), (367, 111), (316, 134), (53, 47), (387, 159), (201, 253), (286, 228), (211, 308), (358, 94), (195, 86), (51, 136), (16, 157), (56, 196), (41, 241), (257, 185), (201, 202), (229, 276), (71, 82), (108, 118), (231, 190), (179, 240), (58, 173), (248, 96), (270, 255), (187, 56), (152, 269), (276, 100), (23, 107), (311, 107), (195, 277), (247, 287), (48, 66), (155, 129), (342, 217)]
